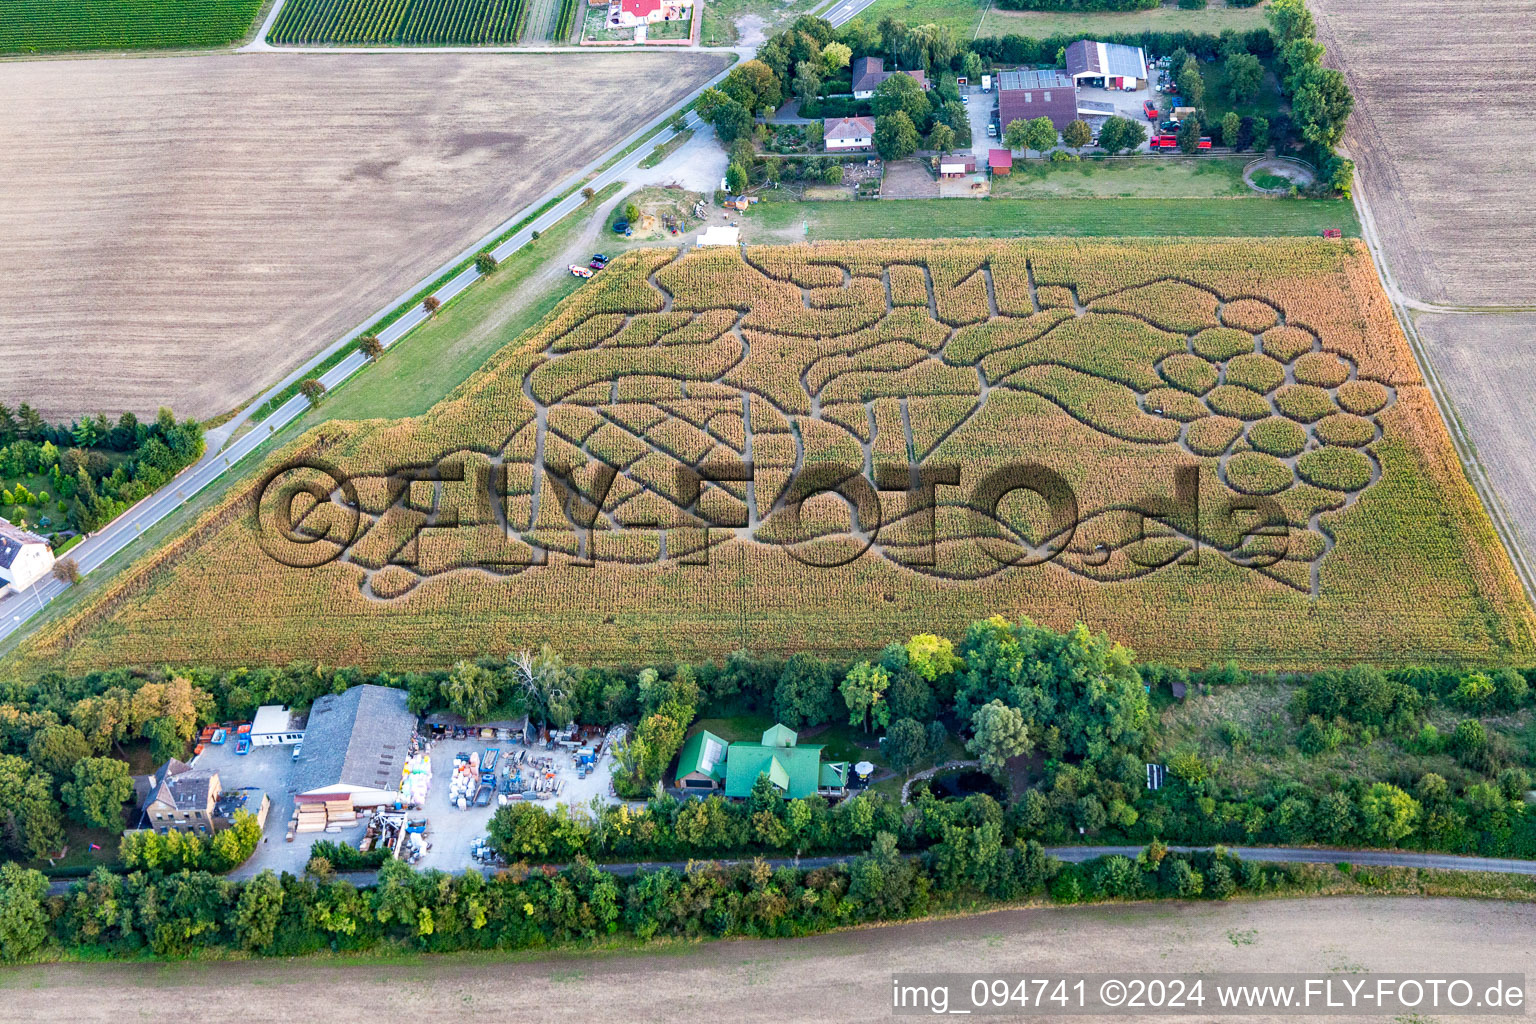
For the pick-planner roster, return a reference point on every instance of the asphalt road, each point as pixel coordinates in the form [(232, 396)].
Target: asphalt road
[(90, 554)]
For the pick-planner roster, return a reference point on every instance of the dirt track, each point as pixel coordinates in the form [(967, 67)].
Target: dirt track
[(1441, 138), (186, 230), (833, 978)]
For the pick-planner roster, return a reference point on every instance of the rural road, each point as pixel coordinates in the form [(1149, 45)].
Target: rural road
[(101, 546), (1078, 854)]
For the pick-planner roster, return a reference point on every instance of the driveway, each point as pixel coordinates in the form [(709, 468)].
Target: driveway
[(268, 768), (982, 106)]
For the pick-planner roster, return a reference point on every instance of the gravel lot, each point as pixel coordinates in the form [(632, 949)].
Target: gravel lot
[(842, 977), (186, 230)]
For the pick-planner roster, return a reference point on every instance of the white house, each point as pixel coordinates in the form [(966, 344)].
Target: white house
[(25, 557), (274, 725), (846, 133)]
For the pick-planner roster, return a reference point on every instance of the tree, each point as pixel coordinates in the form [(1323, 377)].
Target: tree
[(1016, 134), (1290, 19), (67, 571), (1000, 734), (1244, 76), (1320, 106), (1121, 133), (371, 346), (804, 692), (835, 56), (96, 794), (1231, 129), (941, 139), (1387, 814), (754, 85), (257, 912), (1077, 134), (23, 916), (486, 264), (901, 93), (1040, 135), (895, 135), (29, 815), (971, 66), (313, 389), (807, 83), (1191, 83), (732, 121), (432, 304), (736, 179), (547, 683), (864, 692), (833, 175), (472, 691), (932, 657), (1260, 134), (588, 194), (905, 745), (1189, 135), (56, 748)]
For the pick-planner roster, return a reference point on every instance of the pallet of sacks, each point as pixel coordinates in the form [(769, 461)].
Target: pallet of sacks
[(340, 812), (311, 818)]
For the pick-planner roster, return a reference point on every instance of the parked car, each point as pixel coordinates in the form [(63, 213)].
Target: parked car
[(296, 748), (600, 257), (597, 265), (991, 130), (579, 271)]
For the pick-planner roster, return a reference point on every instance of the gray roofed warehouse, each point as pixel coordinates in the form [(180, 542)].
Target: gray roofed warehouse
[(360, 738)]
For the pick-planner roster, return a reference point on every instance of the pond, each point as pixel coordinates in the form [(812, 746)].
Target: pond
[(963, 783)]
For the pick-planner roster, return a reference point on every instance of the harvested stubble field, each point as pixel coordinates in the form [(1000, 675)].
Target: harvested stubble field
[(1163, 387), (187, 231), (1453, 209), (842, 977)]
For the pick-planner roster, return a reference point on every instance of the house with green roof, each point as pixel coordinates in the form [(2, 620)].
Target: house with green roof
[(701, 765), (797, 771)]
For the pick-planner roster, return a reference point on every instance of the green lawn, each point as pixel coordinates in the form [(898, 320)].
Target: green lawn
[(1152, 177), (998, 218), (424, 366), (972, 18), (48, 26)]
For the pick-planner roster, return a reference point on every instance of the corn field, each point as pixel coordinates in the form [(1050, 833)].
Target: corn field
[(43, 26), (1098, 422), (400, 22)]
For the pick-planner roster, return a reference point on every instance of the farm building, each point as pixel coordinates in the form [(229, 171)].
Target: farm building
[(1026, 95), (443, 723), (1000, 162), (701, 765), (179, 798), (845, 133), (869, 72), (795, 770), (1106, 65), (25, 558), (956, 165), (274, 724), (355, 747)]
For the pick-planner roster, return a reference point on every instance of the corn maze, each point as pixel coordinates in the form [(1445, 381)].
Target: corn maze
[(1211, 449), (400, 22)]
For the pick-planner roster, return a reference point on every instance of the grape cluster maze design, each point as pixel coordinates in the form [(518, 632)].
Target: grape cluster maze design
[(1210, 448), (623, 400)]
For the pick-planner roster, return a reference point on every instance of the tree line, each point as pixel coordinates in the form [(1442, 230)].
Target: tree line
[(175, 914)]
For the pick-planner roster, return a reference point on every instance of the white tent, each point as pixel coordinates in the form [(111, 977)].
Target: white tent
[(719, 234)]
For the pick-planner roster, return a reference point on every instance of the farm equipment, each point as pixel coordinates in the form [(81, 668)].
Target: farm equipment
[(1332, 233), (1164, 142), (1150, 109), (484, 793)]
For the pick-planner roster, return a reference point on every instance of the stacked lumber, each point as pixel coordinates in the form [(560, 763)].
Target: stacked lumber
[(311, 818), (340, 812)]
